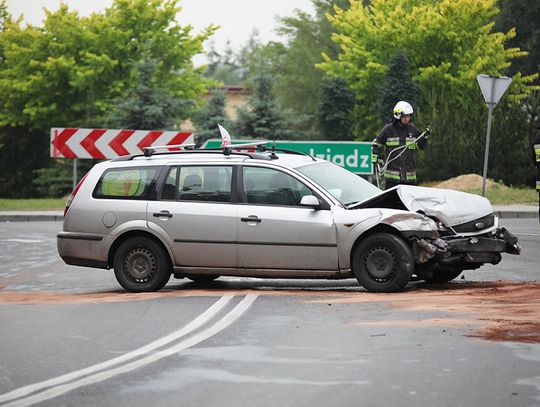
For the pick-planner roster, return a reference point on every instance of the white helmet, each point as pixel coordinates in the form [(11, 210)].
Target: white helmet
[(401, 108)]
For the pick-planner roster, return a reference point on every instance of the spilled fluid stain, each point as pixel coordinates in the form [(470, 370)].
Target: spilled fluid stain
[(498, 311)]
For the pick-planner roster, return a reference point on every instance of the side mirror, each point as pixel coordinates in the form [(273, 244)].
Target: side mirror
[(311, 201)]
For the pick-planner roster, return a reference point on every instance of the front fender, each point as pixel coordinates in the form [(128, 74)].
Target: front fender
[(351, 225)]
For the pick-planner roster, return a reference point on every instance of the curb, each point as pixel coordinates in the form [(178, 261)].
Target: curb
[(6, 218), (516, 215)]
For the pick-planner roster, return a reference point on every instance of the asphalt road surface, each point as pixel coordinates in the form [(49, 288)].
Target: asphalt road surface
[(70, 336)]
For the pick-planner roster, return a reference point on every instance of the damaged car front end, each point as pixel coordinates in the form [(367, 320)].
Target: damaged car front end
[(468, 234)]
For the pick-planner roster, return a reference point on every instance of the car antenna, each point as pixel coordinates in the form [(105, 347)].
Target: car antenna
[(273, 155)]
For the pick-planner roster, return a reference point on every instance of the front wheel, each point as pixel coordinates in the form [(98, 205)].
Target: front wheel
[(141, 265), (383, 262)]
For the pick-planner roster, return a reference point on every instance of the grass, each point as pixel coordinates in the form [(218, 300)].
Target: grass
[(32, 204), (502, 195)]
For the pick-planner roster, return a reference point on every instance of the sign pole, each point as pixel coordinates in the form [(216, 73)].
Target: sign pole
[(492, 87), (74, 173), (486, 154)]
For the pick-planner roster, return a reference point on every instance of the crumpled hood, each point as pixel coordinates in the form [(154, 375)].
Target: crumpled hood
[(449, 206)]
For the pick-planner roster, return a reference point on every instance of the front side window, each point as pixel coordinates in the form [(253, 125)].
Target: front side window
[(198, 183), (125, 183), (270, 187), (346, 187)]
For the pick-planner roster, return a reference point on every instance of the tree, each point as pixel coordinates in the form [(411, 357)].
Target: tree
[(224, 67), (261, 118), (397, 85), (448, 43), (70, 72), (524, 17), (336, 104), (207, 119), (297, 80), (150, 105)]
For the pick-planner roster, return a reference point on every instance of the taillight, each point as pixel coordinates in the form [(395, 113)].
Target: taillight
[(72, 195)]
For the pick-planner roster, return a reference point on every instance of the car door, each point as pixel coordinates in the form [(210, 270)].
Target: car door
[(275, 231), (195, 211)]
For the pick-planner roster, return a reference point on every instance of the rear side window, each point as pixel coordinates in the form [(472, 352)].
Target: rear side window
[(126, 183), (198, 183)]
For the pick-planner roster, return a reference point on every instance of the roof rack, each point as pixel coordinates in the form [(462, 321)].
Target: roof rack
[(259, 146), (193, 151)]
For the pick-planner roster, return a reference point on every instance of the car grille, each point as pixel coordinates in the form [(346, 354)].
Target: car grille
[(475, 225)]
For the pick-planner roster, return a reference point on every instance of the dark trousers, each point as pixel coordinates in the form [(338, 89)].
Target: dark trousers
[(391, 183)]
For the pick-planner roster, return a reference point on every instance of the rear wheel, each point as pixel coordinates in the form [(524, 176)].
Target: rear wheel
[(141, 265), (383, 263)]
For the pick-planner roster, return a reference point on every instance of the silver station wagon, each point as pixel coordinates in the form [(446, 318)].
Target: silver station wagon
[(202, 214)]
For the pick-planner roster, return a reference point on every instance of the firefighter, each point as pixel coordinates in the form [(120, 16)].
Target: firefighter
[(399, 134), (536, 162)]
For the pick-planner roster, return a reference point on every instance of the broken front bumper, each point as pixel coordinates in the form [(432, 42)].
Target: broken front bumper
[(502, 241), (473, 249)]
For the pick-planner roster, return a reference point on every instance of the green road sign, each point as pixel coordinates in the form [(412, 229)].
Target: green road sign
[(352, 155)]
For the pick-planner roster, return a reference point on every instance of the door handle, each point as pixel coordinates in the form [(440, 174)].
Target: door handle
[(251, 218), (162, 214)]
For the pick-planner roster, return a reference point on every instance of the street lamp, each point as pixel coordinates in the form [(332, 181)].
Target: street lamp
[(492, 87)]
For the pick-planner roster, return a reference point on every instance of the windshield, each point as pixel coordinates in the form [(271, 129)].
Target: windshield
[(346, 187)]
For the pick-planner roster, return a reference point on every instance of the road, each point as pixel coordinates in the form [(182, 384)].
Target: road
[(72, 336)]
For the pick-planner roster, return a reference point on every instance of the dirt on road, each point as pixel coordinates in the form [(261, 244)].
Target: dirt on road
[(496, 311)]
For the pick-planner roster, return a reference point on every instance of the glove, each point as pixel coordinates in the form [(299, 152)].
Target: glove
[(427, 131)]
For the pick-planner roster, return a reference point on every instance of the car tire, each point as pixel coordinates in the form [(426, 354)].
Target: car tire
[(201, 278), (141, 265), (383, 262)]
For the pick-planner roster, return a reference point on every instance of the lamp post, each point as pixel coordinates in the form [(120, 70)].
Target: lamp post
[(492, 87)]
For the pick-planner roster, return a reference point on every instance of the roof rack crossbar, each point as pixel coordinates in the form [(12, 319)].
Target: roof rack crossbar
[(247, 145), (148, 151), (259, 146), (285, 150)]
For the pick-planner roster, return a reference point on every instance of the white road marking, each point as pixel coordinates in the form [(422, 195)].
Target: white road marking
[(220, 325), (196, 323)]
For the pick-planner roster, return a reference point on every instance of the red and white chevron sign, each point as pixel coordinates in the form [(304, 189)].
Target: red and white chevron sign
[(109, 143)]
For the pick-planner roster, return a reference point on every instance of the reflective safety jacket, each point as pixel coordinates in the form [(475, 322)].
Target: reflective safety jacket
[(392, 136), (536, 157)]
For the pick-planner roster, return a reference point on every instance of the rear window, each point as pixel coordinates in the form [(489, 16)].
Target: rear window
[(198, 183), (126, 183)]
